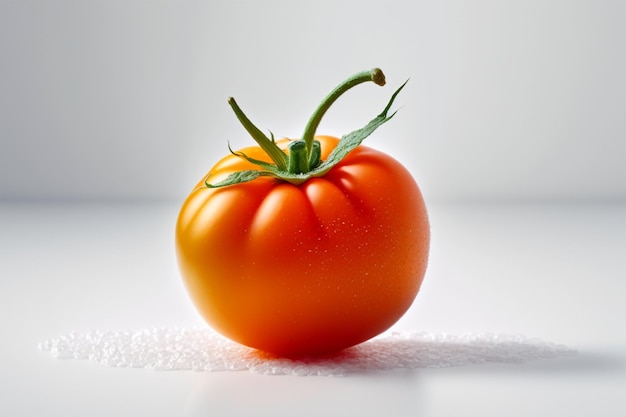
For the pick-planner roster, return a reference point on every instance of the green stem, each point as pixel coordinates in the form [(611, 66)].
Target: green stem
[(376, 75), (316, 155), (297, 162)]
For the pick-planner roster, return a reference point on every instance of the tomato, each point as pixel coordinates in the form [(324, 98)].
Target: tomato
[(306, 268)]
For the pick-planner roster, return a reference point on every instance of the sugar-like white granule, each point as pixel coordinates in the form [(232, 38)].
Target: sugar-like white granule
[(205, 350)]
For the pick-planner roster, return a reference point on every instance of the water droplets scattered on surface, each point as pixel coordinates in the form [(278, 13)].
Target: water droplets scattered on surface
[(204, 350)]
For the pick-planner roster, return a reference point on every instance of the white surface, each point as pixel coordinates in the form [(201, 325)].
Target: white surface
[(515, 99), (550, 271), (202, 349)]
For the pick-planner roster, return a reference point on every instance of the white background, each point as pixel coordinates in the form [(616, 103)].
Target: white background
[(127, 99), (513, 123)]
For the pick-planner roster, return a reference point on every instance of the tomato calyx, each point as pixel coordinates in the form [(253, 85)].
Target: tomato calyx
[(303, 159)]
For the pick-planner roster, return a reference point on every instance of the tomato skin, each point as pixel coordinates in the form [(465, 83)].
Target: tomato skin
[(310, 268)]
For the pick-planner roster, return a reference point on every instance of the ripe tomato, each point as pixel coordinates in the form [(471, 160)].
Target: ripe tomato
[(307, 268)]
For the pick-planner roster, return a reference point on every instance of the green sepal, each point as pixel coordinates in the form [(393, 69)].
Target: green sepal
[(350, 141), (263, 164), (240, 177), (346, 144), (267, 144)]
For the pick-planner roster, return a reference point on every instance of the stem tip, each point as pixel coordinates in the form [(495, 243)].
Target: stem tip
[(378, 77)]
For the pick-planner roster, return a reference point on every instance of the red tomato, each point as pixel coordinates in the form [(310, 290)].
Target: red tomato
[(310, 268)]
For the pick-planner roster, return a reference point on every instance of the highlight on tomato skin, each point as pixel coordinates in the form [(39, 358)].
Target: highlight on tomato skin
[(304, 267)]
